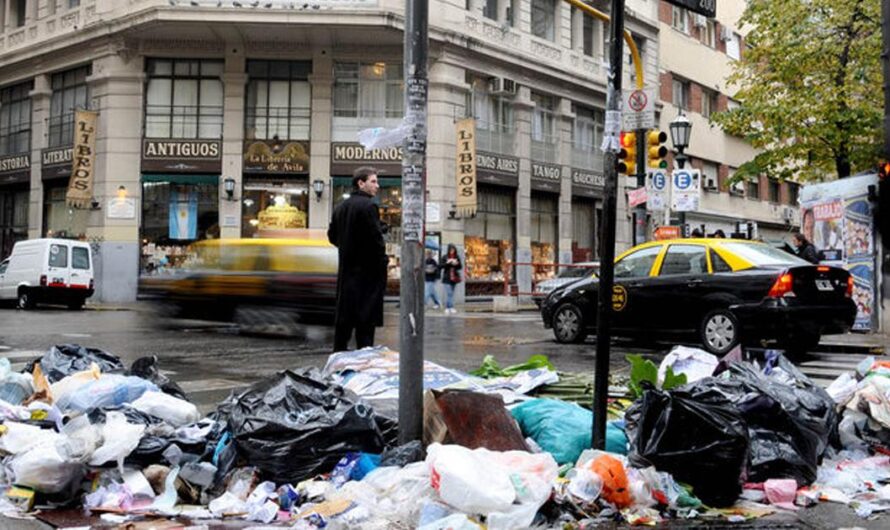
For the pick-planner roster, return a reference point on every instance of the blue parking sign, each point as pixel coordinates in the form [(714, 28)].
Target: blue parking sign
[(682, 180)]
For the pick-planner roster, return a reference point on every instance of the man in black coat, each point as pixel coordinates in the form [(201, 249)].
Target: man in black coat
[(805, 249), (361, 278)]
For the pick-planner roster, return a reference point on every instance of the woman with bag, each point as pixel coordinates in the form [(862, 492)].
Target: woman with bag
[(451, 277)]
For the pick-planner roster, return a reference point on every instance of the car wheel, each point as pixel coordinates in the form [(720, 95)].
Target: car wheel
[(76, 305), (25, 300), (568, 324), (801, 345), (720, 331)]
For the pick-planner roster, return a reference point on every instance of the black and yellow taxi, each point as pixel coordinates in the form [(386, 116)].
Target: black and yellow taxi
[(718, 292)]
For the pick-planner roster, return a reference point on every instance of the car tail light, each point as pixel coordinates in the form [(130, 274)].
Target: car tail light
[(782, 286), (849, 292), (91, 284), (42, 280)]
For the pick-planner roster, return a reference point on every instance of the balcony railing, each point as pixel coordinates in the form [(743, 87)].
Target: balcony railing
[(495, 138), (587, 157), (545, 149)]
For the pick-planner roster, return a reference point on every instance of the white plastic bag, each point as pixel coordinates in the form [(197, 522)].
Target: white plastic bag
[(468, 481), (21, 437), (63, 388), (119, 440), (177, 412), (44, 469), (694, 362)]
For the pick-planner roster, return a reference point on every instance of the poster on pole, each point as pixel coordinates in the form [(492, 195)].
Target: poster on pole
[(685, 190)]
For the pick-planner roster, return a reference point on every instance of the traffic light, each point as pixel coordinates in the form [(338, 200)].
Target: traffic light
[(656, 150), (627, 157)]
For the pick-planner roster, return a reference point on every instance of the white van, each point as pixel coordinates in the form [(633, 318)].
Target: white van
[(52, 271)]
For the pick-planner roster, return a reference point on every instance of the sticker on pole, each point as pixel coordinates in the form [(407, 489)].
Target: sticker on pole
[(656, 188), (640, 105), (685, 190)]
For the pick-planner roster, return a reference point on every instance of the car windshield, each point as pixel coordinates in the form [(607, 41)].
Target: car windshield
[(763, 255), (576, 272)]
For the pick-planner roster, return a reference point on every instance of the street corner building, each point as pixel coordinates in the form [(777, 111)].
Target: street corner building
[(220, 119)]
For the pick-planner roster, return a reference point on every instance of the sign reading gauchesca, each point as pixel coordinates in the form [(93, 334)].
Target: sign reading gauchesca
[(347, 157), (706, 8), (182, 155), (269, 156), (16, 164), (56, 162)]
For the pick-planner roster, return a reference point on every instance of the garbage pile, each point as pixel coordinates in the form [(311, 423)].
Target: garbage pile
[(732, 438)]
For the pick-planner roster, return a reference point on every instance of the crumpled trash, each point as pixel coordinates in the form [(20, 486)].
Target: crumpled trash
[(700, 438), (694, 363), (65, 359), (120, 438), (61, 390), (402, 455), (177, 412), (110, 390), (22, 437), (507, 487), (781, 492), (14, 387), (564, 429), (113, 497), (148, 368), (44, 469), (294, 426), (470, 419), (615, 486)]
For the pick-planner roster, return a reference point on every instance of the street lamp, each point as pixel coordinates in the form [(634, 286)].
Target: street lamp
[(318, 188), (681, 128), (229, 187)]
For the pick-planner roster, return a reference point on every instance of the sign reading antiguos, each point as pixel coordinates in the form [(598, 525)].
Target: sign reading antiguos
[(182, 156)]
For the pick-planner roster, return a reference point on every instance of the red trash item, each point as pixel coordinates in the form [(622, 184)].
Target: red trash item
[(616, 488)]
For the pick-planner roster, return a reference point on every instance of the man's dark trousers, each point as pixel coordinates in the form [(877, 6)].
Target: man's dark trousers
[(364, 336)]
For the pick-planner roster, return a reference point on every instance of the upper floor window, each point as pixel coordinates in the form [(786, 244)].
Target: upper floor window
[(589, 30), (544, 118), (184, 99), (774, 186), (733, 46), (492, 112), (20, 15), (708, 103), (753, 189), (793, 192), (368, 90), (278, 100), (680, 94), (73, 3), (490, 9), (15, 119), (70, 92), (544, 19), (709, 34), (587, 131), (679, 19)]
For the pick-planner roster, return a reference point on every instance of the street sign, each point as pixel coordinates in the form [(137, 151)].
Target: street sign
[(656, 189), (640, 110), (685, 190), (636, 197), (707, 8)]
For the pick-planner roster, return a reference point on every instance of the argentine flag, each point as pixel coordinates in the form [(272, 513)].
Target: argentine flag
[(183, 215)]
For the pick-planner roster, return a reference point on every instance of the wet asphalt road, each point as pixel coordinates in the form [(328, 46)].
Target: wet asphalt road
[(211, 359)]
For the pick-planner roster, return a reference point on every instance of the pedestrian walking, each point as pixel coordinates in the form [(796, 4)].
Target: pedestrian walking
[(451, 277), (805, 249), (361, 276), (431, 274)]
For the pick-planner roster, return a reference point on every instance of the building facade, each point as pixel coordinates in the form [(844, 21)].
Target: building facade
[(220, 121), (695, 60)]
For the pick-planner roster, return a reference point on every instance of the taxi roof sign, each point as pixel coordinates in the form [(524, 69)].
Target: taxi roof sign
[(667, 232)]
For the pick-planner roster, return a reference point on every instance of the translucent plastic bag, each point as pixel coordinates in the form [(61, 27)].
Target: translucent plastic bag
[(119, 440), (175, 411), (110, 390), (45, 469)]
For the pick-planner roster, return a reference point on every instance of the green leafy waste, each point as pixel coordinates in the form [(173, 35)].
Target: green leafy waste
[(642, 369), (490, 367)]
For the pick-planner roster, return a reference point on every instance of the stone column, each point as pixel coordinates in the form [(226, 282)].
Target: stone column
[(116, 87), (234, 80), (522, 110), (564, 122), (322, 83), (40, 102)]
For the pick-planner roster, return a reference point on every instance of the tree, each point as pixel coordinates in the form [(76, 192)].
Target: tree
[(809, 87)]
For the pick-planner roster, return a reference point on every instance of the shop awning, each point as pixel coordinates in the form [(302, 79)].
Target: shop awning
[(180, 179)]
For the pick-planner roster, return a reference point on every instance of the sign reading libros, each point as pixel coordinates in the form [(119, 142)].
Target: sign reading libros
[(466, 167), (706, 8)]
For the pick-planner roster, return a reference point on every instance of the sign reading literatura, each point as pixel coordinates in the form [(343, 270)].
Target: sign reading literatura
[(181, 156), (347, 157), (56, 162)]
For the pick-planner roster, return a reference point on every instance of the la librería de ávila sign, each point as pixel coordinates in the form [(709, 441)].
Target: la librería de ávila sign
[(706, 8)]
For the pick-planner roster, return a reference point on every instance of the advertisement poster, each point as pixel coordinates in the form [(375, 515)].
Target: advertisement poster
[(837, 218)]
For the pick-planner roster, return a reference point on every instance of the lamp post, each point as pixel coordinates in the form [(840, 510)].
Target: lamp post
[(680, 129)]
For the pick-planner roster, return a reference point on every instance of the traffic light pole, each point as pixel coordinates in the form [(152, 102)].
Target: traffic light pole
[(607, 247)]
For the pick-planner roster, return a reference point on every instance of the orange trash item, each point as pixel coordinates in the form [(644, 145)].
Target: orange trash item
[(616, 488)]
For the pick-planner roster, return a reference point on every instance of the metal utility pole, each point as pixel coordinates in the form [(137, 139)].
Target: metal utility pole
[(639, 215), (885, 66), (413, 186), (607, 249)]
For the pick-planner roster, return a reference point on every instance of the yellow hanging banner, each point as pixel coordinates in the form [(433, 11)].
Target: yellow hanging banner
[(465, 165), (80, 186)]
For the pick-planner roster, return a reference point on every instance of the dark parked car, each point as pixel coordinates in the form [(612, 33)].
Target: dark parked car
[(566, 276), (718, 292)]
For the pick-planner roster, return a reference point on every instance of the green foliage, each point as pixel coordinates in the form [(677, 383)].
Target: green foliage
[(642, 369), (809, 84), (490, 367)]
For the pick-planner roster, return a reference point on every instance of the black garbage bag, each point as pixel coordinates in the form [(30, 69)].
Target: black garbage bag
[(293, 426), (147, 368), (701, 440), (63, 360), (790, 419)]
